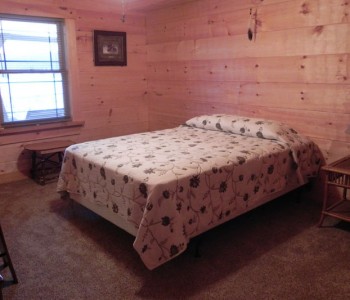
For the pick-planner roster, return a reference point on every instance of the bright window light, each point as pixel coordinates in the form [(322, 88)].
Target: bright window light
[(33, 76)]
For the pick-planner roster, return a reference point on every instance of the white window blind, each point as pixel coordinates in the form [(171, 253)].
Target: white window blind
[(33, 76)]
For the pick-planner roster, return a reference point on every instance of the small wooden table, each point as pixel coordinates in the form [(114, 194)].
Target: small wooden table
[(47, 159), (337, 174)]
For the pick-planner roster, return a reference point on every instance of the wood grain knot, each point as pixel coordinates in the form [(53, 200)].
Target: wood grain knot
[(318, 29), (305, 9)]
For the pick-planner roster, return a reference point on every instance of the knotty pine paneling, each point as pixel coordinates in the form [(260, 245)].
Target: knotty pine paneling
[(112, 130), (310, 97), (201, 8), (216, 18), (295, 70), (68, 5), (195, 58), (41, 8), (110, 100), (300, 69), (297, 96), (134, 25), (332, 39)]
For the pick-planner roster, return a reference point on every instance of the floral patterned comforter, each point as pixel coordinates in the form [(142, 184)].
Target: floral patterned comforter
[(177, 183)]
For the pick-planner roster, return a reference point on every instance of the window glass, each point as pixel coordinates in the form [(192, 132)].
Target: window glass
[(33, 73)]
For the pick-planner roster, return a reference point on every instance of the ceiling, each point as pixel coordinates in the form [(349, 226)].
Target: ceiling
[(148, 5)]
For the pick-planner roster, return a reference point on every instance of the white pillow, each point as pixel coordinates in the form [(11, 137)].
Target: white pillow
[(254, 127)]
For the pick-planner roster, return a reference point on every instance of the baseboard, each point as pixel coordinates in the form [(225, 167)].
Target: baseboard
[(11, 177)]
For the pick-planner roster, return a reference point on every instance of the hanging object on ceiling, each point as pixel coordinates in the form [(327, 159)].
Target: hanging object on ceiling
[(250, 26), (123, 17), (253, 23), (250, 31)]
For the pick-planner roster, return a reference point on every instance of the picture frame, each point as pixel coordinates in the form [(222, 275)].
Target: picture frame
[(110, 48)]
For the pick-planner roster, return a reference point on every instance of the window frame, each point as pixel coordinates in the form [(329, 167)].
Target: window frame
[(63, 71)]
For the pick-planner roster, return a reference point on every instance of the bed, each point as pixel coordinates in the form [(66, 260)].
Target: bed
[(165, 187)]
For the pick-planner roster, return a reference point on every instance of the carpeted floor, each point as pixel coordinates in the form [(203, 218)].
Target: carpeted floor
[(61, 250)]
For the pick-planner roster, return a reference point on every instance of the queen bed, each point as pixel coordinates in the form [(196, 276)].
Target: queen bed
[(168, 186)]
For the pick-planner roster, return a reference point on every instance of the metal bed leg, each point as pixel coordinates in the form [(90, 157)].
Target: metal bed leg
[(197, 245)]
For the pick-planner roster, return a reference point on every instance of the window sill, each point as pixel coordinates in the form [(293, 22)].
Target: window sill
[(39, 127)]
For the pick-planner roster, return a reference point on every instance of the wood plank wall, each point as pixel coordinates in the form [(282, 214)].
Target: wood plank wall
[(195, 58), (296, 69), (110, 100)]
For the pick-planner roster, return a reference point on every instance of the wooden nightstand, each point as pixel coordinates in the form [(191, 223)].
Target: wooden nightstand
[(337, 174), (47, 159)]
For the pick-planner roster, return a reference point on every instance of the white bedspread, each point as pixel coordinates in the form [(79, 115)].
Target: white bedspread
[(177, 183)]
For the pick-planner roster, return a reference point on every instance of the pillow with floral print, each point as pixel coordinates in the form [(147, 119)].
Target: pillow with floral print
[(260, 128), (211, 122), (253, 127)]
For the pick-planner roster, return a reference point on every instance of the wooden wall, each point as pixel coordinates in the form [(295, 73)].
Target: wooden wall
[(297, 68), (110, 100), (195, 58)]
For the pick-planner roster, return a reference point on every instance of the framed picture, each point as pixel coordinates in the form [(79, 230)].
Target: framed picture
[(109, 48)]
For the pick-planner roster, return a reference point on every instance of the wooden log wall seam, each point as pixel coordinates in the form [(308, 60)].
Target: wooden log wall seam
[(195, 58), (111, 100), (296, 70)]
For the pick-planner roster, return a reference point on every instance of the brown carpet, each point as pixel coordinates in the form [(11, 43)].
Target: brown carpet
[(64, 251)]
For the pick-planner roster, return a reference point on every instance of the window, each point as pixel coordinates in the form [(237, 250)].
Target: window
[(33, 75)]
